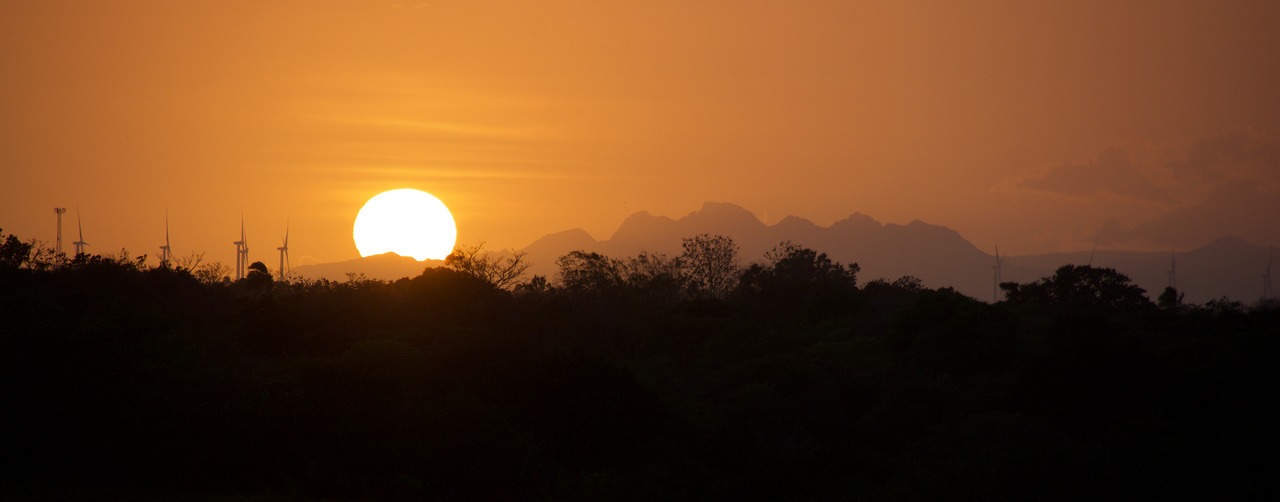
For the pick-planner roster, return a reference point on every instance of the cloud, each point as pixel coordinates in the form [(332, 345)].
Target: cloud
[(1228, 157), (443, 128), (1238, 209), (1112, 173), (1231, 182)]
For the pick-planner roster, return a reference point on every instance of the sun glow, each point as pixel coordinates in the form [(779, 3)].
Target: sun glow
[(406, 222)]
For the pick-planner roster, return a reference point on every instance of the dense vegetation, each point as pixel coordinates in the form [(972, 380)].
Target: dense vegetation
[(645, 378)]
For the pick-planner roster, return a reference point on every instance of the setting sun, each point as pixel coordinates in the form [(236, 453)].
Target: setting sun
[(407, 222)]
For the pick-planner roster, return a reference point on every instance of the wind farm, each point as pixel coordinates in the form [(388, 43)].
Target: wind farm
[(1215, 272)]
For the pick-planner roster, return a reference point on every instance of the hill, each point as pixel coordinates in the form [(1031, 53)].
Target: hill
[(387, 266)]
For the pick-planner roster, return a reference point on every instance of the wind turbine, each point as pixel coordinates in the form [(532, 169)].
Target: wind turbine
[(1173, 270), (165, 254), (284, 251), (995, 284), (242, 251), (80, 244)]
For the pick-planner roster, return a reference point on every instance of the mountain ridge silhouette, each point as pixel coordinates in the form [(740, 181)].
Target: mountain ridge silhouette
[(385, 266), (937, 255)]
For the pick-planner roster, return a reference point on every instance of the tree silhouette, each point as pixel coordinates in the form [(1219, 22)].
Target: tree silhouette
[(655, 274), (1080, 286), (1171, 298), (13, 252), (583, 272), (798, 281), (709, 265), (800, 265), (259, 278), (211, 273), (949, 333), (502, 273)]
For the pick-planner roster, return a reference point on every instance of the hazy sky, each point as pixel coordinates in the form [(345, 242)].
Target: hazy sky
[(1151, 124)]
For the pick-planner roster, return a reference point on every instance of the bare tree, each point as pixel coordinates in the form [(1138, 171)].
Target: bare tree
[(500, 272), (211, 273), (710, 265), (655, 272), (583, 272), (189, 263)]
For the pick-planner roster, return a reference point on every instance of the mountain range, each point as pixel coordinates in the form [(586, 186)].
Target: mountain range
[(937, 255)]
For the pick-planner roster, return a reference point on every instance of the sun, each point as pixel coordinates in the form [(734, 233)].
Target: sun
[(406, 222)]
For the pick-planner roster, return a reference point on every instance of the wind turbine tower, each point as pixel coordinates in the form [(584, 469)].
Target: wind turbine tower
[(1173, 270), (80, 244), (58, 247), (165, 254), (242, 251), (995, 284), (284, 252)]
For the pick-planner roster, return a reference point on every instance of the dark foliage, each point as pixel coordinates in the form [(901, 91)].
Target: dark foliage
[(125, 382)]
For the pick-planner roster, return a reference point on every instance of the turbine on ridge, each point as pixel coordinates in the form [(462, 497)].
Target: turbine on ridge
[(80, 244), (284, 252), (242, 251)]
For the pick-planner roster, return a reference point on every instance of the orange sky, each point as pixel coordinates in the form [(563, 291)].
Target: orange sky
[(1155, 123)]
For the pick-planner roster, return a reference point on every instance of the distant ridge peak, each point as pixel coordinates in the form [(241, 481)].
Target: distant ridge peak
[(638, 224), (725, 206), (713, 217), (859, 221), (574, 232), (644, 216), (576, 238), (723, 212), (389, 255), (795, 221)]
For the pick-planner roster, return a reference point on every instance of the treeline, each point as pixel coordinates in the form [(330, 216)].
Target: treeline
[(645, 377)]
